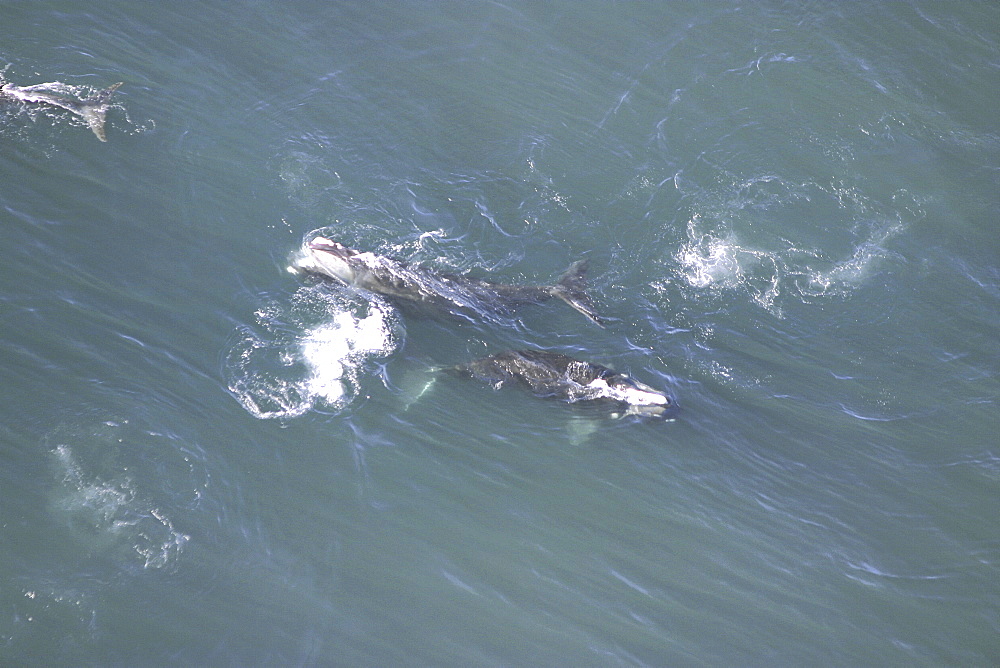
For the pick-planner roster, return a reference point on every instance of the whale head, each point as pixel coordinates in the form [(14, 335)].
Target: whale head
[(330, 258), (639, 398)]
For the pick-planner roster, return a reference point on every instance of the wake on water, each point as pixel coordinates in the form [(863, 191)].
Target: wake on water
[(310, 352)]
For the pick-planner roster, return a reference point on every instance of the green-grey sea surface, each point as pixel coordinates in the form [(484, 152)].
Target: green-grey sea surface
[(790, 212)]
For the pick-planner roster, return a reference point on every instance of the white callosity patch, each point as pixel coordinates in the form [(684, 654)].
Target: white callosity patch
[(629, 395), (323, 262)]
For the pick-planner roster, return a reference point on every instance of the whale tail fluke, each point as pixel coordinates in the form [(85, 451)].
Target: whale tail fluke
[(572, 289), (94, 110)]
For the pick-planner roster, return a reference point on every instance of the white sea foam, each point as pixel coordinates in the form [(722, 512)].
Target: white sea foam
[(710, 259), (106, 509), (730, 248), (311, 353)]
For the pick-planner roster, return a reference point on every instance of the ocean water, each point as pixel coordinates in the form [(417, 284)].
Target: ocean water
[(790, 215)]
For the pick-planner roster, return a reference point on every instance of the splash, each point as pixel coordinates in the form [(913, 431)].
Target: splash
[(311, 353), (711, 260)]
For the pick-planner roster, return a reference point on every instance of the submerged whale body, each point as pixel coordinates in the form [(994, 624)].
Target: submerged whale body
[(93, 110), (400, 280), (549, 374)]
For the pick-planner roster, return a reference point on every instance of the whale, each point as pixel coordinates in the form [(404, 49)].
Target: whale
[(93, 110), (414, 283), (554, 375)]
